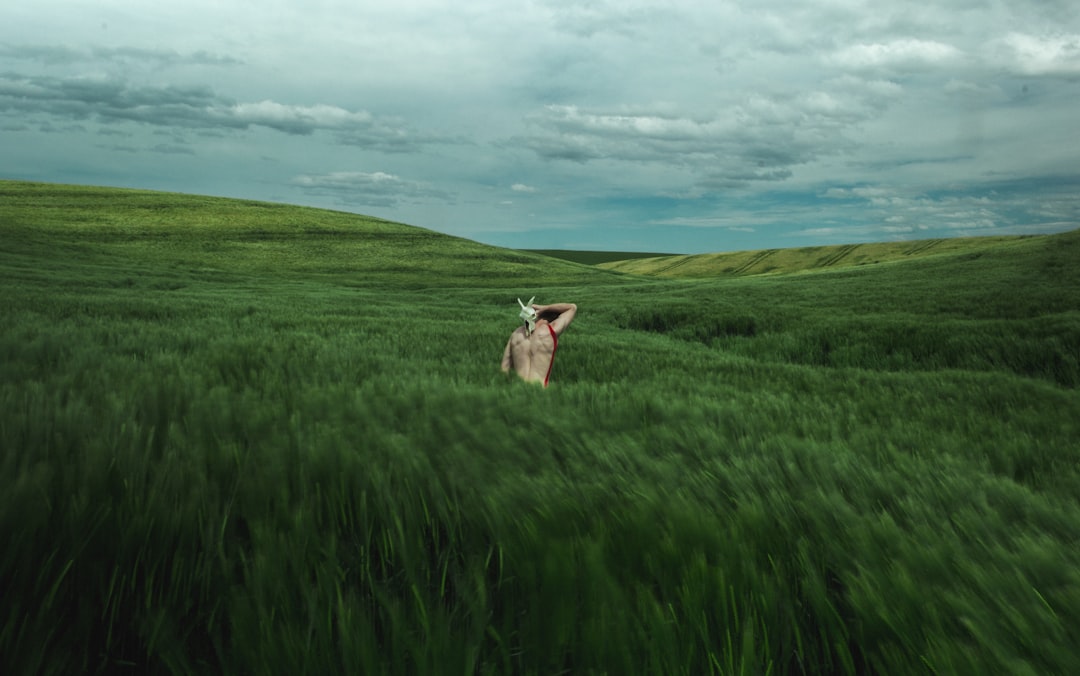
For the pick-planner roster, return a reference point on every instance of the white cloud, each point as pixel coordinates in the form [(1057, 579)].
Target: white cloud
[(874, 92), (378, 189), (904, 53), (298, 119), (1045, 55), (864, 192), (521, 187)]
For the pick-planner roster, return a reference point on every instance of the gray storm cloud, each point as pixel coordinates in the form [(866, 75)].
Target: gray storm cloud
[(111, 100)]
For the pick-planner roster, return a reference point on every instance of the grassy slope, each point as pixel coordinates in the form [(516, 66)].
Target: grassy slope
[(593, 257), (163, 233), (786, 261), (213, 414)]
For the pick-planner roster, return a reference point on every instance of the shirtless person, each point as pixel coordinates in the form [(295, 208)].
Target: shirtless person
[(530, 352)]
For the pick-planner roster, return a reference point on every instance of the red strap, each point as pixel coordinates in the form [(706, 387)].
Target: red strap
[(554, 338)]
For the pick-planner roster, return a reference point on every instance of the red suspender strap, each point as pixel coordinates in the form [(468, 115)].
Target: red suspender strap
[(554, 338)]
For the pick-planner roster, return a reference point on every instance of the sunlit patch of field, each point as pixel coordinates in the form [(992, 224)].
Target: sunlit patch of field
[(802, 259)]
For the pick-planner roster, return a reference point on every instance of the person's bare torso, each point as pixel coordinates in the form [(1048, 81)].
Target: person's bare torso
[(531, 355)]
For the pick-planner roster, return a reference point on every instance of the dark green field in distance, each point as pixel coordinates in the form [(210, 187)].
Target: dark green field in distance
[(249, 438)]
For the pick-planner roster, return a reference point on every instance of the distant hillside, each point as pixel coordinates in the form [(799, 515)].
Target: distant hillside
[(160, 231), (786, 261), (593, 257)]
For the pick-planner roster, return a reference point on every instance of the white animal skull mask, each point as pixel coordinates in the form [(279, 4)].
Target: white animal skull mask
[(528, 314)]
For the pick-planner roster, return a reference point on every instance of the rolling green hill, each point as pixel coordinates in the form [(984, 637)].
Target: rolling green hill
[(787, 261), (161, 233), (240, 438)]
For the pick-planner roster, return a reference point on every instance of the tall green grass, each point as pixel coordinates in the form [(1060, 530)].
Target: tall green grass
[(282, 464)]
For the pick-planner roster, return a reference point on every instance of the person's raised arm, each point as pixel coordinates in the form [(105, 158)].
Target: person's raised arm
[(506, 361), (565, 312)]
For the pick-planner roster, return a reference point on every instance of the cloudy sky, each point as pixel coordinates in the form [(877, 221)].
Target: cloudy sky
[(672, 126)]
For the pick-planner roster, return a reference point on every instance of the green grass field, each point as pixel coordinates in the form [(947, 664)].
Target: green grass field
[(251, 438)]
